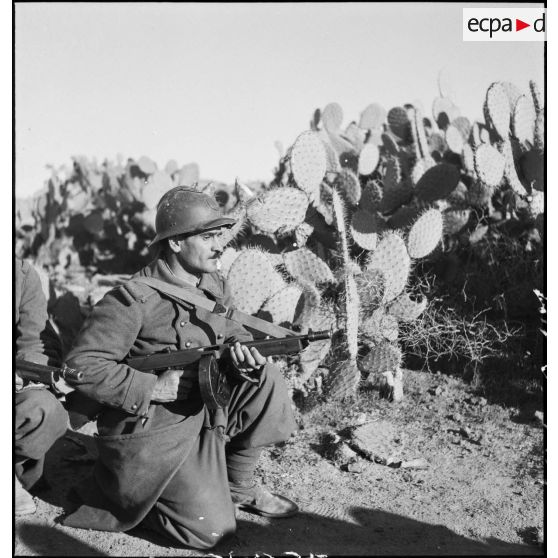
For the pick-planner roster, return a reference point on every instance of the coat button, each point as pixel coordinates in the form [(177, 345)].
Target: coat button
[(134, 406), (187, 344), (182, 324), (220, 336)]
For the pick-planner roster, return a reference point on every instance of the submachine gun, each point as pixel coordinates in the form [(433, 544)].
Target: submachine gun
[(214, 383)]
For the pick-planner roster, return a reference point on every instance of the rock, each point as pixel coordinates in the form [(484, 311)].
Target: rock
[(436, 391), (354, 467), (419, 463), (465, 431), (483, 402), (376, 441), (457, 417), (361, 418), (539, 416)]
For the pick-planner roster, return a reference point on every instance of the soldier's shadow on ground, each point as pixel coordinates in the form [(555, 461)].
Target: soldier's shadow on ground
[(46, 541), (367, 532)]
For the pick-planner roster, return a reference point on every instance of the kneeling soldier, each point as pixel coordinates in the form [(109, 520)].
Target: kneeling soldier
[(166, 462), (40, 419)]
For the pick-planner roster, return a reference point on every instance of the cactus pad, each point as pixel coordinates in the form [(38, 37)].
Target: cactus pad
[(281, 306), (371, 196), (489, 165), (346, 378), (304, 264), (523, 122), (365, 227), (371, 288), (420, 168), (309, 163), (454, 139), (253, 280), (226, 260), (384, 357), (348, 184), (279, 208), (392, 260), (468, 159), (373, 116), (437, 182), (380, 326), (302, 233), (405, 309), (395, 196), (425, 234), (189, 174), (404, 216), (368, 159), (455, 220), (308, 304), (332, 117), (146, 165), (322, 319), (498, 109), (399, 122)]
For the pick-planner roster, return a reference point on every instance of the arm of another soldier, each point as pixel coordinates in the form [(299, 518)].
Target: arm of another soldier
[(32, 316), (103, 342)]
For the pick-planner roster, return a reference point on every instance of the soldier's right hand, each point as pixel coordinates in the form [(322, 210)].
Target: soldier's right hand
[(172, 385)]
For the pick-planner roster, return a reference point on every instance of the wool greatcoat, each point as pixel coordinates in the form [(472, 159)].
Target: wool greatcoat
[(173, 467)]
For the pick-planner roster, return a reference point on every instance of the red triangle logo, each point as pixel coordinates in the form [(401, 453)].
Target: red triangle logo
[(519, 25)]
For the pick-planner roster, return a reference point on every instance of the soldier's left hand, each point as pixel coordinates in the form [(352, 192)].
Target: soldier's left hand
[(247, 360)]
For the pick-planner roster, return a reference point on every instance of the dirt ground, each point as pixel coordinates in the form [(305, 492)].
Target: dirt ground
[(482, 492)]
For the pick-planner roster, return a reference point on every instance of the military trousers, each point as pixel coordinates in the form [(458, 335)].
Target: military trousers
[(182, 491), (40, 420)]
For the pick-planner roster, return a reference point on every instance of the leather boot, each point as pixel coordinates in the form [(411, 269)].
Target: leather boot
[(24, 503), (256, 499)]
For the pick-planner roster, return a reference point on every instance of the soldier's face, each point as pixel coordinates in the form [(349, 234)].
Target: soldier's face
[(200, 253)]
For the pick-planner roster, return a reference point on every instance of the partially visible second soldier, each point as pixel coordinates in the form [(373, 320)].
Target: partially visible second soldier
[(40, 419)]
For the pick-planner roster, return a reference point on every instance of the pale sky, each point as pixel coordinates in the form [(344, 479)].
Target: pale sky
[(218, 84)]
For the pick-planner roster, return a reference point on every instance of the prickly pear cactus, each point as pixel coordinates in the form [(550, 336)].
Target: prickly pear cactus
[(489, 165), (392, 260), (332, 117), (368, 159), (304, 264), (498, 109), (365, 227), (425, 234), (279, 208), (372, 117), (281, 307), (253, 279), (383, 357), (309, 163), (406, 309), (437, 182), (348, 183)]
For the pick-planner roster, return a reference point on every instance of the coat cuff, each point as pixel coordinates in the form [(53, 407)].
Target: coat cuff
[(138, 396)]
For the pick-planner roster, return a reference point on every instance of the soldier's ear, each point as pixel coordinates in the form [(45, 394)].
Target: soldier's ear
[(174, 245)]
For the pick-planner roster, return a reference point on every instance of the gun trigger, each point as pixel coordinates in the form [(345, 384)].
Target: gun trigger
[(219, 309)]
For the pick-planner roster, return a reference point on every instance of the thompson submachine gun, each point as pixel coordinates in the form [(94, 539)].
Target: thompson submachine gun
[(214, 384), (45, 374)]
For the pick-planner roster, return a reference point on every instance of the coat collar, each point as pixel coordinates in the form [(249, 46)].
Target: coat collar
[(209, 283)]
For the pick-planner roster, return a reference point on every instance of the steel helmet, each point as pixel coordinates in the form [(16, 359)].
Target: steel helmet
[(185, 210)]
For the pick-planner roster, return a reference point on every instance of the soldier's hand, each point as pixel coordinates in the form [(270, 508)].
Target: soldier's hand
[(247, 360), (172, 385)]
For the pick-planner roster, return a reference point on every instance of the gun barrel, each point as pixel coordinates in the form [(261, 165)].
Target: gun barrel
[(319, 335)]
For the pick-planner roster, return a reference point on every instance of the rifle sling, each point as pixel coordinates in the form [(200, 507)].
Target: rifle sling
[(232, 314)]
